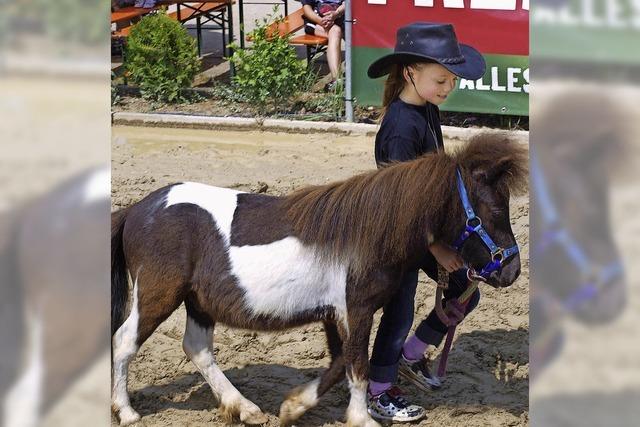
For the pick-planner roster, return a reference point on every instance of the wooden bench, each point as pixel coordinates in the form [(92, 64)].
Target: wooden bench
[(211, 11), (290, 25)]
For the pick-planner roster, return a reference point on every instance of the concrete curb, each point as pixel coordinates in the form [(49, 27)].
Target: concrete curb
[(279, 125)]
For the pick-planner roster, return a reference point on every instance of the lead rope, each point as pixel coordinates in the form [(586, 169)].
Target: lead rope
[(450, 320)]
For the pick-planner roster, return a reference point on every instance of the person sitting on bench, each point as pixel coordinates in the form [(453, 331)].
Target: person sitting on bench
[(325, 18)]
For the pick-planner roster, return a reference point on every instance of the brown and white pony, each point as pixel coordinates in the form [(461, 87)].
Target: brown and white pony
[(331, 253)]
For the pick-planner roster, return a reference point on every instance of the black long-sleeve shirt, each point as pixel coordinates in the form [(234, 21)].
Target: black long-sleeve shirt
[(407, 132)]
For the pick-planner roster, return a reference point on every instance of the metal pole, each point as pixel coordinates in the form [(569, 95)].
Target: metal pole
[(348, 101), (241, 21)]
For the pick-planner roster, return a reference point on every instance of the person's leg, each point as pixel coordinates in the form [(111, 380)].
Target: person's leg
[(386, 402), (395, 324), (431, 331), (334, 51)]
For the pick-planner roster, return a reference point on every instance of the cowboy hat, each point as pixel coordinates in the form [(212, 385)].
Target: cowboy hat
[(425, 41)]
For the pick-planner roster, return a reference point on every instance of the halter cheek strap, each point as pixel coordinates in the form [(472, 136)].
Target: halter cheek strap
[(474, 225)]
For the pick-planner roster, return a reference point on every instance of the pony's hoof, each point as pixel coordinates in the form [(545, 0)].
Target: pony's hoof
[(298, 402), (253, 416), (128, 416), (290, 410)]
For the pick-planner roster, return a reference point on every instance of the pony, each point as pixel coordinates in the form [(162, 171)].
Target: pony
[(332, 254)]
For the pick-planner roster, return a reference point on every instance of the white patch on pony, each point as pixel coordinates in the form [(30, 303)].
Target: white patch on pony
[(124, 349), (219, 202), (285, 277), (98, 186), (22, 401), (357, 414)]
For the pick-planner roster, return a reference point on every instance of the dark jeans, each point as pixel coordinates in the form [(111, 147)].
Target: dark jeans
[(398, 317)]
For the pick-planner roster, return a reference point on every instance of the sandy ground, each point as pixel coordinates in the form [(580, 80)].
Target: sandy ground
[(488, 367)]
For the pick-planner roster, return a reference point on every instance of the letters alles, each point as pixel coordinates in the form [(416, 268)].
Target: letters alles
[(515, 80)]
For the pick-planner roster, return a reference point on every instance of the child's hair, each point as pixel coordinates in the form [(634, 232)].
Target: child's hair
[(395, 83)]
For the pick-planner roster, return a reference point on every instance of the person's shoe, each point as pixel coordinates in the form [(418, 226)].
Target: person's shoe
[(418, 373), (332, 86), (392, 406)]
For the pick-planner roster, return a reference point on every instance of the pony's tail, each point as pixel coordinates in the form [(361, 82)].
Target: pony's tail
[(119, 282)]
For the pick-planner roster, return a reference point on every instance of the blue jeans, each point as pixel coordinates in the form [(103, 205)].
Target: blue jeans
[(397, 320)]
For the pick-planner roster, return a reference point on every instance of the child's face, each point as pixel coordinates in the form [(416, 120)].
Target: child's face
[(433, 82)]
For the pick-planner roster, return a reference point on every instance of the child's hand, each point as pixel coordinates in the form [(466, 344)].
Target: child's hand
[(446, 257)]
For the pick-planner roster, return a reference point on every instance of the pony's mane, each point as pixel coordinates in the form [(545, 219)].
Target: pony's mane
[(378, 216)]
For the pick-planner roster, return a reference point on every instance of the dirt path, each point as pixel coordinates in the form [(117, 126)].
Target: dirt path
[(488, 367)]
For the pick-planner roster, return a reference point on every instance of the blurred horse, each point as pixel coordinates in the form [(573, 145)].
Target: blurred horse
[(576, 268), (53, 317)]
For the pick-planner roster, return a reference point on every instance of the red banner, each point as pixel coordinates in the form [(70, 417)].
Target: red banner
[(491, 26)]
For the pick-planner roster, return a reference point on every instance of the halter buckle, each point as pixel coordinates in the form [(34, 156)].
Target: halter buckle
[(473, 276), (498, 256), (475, 227)]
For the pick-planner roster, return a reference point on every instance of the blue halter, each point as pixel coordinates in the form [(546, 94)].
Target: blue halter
[(474, 225)]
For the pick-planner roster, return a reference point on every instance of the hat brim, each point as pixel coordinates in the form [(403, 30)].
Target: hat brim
[(472, 68)]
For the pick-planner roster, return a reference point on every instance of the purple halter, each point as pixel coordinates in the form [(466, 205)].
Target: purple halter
[(474, 225)]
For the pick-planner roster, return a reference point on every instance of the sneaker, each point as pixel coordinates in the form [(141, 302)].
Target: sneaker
[(392, 406), (329, 86), (418, 373), (332, 86)]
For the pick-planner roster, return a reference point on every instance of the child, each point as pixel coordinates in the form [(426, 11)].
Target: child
[(423, 70), (326, 18)]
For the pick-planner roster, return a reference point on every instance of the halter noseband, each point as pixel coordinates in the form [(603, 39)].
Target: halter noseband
[(474, 225)]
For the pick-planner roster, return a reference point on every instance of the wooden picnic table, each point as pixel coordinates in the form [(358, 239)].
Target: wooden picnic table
[(209, 9), (128, 13)]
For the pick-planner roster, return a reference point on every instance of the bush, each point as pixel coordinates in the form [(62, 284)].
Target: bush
[(161, 58), (269, 71)]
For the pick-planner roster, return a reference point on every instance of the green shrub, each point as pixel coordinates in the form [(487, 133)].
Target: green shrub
[(161, 58), (268, 72)]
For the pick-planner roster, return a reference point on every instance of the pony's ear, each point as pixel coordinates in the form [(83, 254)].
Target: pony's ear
[(507, 170), (496, 159)]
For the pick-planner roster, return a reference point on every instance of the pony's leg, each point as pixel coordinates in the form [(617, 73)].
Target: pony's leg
[(124, 348), (198, 345), (305, 397), (150, 306), (356, 354)]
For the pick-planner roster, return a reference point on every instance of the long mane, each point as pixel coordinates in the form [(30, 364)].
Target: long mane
[(378, 218), (371, 217)]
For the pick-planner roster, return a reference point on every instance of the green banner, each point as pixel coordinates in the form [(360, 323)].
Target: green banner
[(504, 89)]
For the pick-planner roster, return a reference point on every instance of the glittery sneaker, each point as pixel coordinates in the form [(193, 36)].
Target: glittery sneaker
[(418, 373), (392, 406)]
